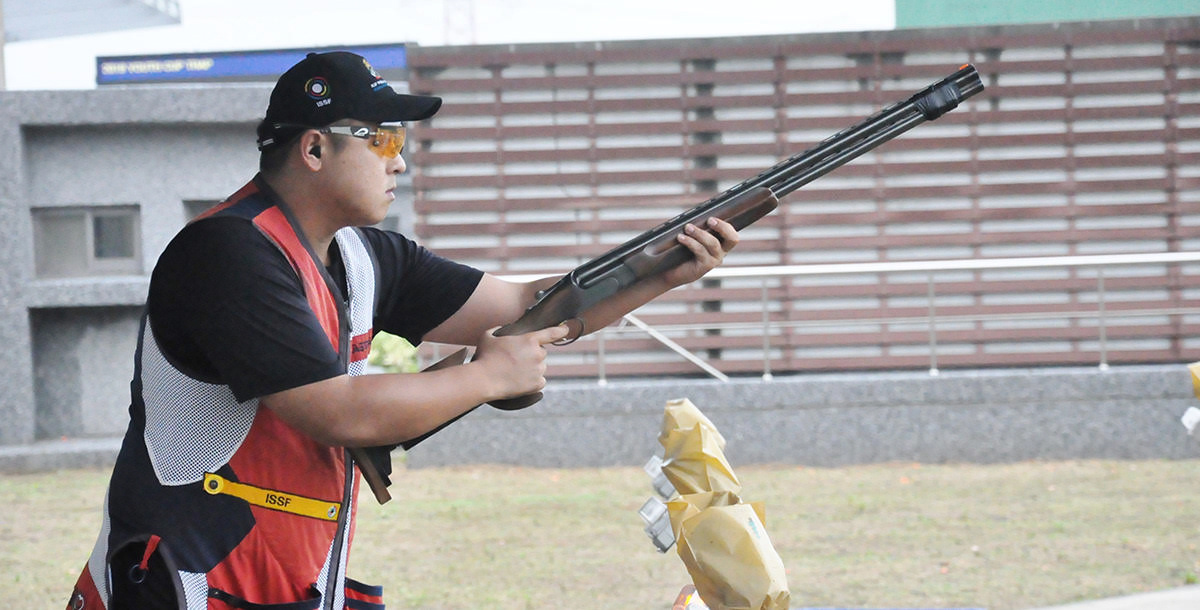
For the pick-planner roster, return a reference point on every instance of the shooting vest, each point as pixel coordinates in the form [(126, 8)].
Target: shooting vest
[(243, 508)]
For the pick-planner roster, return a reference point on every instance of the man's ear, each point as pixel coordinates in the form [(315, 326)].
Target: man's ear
[(310, 149)]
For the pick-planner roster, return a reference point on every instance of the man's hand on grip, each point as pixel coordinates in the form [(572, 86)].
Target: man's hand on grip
[(516, 364)]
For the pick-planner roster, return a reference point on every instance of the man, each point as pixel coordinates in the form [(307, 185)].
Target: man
[(233, 487)]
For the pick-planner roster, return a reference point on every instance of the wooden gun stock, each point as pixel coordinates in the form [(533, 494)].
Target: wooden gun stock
[(375, 463)]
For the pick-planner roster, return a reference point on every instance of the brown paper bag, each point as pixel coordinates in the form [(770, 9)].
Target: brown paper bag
[(731, 560), (721, 540), (694, 451), (681, 415)]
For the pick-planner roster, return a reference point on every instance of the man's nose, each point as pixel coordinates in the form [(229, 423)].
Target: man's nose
[(398, 165)]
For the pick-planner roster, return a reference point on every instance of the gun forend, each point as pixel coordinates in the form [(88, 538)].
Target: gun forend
[(651, 253), (655, 251)]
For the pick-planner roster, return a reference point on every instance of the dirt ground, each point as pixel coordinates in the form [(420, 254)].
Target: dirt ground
[(892, 535)]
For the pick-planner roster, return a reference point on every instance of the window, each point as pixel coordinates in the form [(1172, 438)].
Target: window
[(192, 209), (80, 242)]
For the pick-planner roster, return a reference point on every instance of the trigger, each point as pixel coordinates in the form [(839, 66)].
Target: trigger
[(575, 328)]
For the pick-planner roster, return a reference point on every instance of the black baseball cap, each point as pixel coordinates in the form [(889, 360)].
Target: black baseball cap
[(328, 87)]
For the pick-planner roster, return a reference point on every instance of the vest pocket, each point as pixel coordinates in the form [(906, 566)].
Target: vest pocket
[(144, 576), (229, 600), (358, 597), (363, 597)]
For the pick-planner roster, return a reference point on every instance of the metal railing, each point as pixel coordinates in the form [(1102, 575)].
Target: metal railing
[(633, 324)]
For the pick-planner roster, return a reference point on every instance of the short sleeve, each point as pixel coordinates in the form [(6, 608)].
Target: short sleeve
[(418, 289), (226, 307)]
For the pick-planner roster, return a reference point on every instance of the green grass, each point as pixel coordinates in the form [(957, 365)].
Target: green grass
[(894, 535)]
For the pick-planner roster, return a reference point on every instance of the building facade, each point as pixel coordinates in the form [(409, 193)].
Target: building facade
[(1086, 142), (95, 185)]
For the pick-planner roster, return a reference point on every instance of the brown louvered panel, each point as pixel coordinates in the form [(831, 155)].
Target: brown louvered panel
[(969, 238), (870, 362), (798, 217), (1085, 141)]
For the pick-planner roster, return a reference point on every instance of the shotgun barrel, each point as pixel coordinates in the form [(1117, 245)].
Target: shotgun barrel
[(655, 251), (743, 203)]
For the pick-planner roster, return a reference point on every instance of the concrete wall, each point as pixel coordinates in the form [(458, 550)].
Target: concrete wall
[(999, 415), (982, 416), (68, 356), (83, 361)]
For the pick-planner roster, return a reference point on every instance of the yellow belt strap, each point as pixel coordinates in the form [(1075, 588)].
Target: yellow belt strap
[(269, 498)]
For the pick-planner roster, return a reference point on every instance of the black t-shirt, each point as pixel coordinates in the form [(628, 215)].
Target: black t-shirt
[(226, 307)]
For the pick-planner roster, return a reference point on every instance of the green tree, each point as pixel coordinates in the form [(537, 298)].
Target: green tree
[(392, 354)]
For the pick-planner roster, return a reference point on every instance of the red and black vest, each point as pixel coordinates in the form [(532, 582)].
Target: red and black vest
[(241, 509)]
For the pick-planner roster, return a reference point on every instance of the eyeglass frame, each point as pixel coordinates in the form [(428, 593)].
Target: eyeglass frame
[(362, 132)]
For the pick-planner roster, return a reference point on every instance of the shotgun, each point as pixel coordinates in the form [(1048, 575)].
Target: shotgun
[(656, 251)]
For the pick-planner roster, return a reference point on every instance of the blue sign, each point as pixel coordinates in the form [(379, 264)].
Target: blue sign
[(237, 65)]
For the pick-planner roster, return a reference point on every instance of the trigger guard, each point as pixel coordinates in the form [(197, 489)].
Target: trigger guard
[(571, 338)]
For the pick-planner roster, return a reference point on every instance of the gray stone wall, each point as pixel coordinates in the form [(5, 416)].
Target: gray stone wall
[(83, 361), (978, 416), (69, 342), (992, 416)]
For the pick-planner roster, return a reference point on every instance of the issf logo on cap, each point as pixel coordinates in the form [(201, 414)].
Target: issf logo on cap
[(317, 88)]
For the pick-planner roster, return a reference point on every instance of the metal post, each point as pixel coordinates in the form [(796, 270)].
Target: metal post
[(1101, 320), (933, 362), (766, 333), (601, 379), (675, 347)]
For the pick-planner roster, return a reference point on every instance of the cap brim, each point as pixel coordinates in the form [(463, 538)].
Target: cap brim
[(404, 107)]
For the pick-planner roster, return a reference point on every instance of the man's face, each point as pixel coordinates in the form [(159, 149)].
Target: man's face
[(362, 166)]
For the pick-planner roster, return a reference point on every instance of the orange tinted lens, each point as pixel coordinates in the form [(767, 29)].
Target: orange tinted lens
[(389, 142)]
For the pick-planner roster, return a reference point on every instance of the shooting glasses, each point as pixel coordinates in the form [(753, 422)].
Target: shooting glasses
[(387, 140)]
